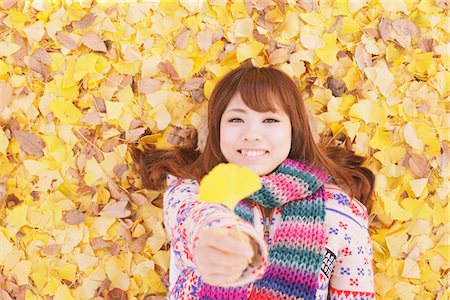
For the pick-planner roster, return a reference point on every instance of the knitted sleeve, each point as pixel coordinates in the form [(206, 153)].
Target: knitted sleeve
[(185, 216), (348, 259)]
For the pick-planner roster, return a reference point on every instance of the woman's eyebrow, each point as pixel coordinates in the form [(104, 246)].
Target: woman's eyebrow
[(236, 110)]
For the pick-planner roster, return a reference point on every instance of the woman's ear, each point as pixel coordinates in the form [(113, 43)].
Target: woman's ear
[(202, 133)]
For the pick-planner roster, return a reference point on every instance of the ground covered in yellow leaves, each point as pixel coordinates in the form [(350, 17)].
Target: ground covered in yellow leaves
[(80, 81)]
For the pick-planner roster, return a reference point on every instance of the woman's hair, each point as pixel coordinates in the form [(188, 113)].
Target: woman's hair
[(261, 89)]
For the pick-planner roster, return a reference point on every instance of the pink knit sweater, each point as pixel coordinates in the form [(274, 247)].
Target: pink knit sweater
[(346, 271)]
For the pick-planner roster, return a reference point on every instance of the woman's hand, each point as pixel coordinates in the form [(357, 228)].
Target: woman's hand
[(221, 255)]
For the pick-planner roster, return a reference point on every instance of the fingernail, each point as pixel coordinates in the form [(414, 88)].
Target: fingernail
[(248, 254)]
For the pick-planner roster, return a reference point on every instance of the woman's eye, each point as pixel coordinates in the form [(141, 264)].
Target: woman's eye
[(236, 120), (270, 120)]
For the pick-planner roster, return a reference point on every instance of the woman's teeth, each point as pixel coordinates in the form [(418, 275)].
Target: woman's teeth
[(253, 153)]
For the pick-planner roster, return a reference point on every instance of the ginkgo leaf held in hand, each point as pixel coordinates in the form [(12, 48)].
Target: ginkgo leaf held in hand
[(228, 184)]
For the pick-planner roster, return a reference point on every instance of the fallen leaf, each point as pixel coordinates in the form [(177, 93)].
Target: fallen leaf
[(168, 69), (74, 217), (116, 209), (362, 57), (148, 85), (9, 3), (5, 94), (182, 40), (30, 143), (405, 27), (39, 61), (384, 28), (193, 84), (51, 249), (99, 243), (85, 22), (228, 184), (138, 244), (91, 40), (116, 294), (445, 4), (426, 44), (336, 86), (66, 41), (204, 39), (92, 118), (105, 285), (23, 47), (279, 56), (308, 5)]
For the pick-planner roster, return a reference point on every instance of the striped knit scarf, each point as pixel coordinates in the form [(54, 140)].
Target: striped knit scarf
[(295, 255)]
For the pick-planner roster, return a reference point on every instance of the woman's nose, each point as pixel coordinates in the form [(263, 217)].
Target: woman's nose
[(253, 133)]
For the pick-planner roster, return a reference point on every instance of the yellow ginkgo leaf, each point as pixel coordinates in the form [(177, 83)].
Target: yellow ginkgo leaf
[(228, 184), (66, 111), (327, 53)]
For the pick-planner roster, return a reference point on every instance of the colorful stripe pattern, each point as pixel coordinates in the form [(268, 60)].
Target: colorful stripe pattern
[(296, 253)]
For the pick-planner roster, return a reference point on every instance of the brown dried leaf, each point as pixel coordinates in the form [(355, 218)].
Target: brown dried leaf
[(139, 199), (12, 201), (91, 40), (134, 134), (125, 233), (99, 243), (309, 5), (419, 165), (426, 45), (9, 3), (198, 95), (100, 104), (109, 145), (116, 209), (30, 143), (38, 61), (114, 249), (139, 243), (19, 55), (279, 56), (42, 56), (119, 170), (281, 5), (4, 295), (261, 4), (193, 84), (445, 4), (92, 118), (6, 93), (384, 28), (66, 41), (204, 39), (148, 85), (259, 37), (405, 27), (85, 21), (51, 249), (362, 57), (336, 86), (116, 294), (105, 285), (74, 217), (167, 68), (182, 39)]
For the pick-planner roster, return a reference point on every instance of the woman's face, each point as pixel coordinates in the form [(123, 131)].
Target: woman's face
[(259, 141)]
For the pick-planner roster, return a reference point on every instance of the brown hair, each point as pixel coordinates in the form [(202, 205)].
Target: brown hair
[(261, 89)]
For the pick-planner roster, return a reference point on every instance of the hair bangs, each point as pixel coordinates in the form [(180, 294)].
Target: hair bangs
[(259, 91)]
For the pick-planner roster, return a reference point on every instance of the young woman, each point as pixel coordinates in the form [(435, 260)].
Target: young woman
[(304, 235)]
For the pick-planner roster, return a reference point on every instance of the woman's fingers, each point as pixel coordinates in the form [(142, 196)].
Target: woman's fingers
[(231, 241), (221, 255)]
